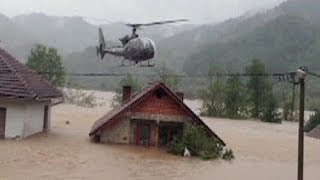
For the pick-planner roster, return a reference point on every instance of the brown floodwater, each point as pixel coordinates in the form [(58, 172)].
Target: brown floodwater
[(263, 152)]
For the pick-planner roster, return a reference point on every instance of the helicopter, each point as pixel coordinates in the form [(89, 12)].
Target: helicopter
[(134, 49)]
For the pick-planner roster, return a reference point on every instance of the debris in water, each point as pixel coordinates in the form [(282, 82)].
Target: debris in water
[(186, 152)]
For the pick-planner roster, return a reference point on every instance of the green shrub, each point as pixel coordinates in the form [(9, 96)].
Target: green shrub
[(228, 155), (313, 122), (176, 147), (80, 97), (197, 142)]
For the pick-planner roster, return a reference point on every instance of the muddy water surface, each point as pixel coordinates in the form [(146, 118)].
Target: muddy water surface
[(263, 152)]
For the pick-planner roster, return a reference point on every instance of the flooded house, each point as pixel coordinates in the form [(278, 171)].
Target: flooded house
[(315, 132), (151, 117), (25, 99)]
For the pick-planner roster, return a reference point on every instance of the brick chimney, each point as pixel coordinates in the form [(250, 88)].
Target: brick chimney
[(126, 93), (180, 95)]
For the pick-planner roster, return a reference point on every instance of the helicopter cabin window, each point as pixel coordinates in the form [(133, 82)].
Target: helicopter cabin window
[(161, 93)]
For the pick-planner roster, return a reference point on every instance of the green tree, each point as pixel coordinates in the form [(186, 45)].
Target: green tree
[(213, 99), (235, 98), (258, 86), (168, 77), (129, 80), (313, 122), (270, 111), (47, 61), (215, 70), (289, 108)]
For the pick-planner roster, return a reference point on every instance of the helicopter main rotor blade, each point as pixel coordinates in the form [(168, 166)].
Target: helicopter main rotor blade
[(157, 23)]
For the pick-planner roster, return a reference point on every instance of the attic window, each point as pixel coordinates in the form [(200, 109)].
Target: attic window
[(160, 93)]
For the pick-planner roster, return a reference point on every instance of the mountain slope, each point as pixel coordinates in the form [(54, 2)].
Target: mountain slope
[(176, 49), (283, 44)]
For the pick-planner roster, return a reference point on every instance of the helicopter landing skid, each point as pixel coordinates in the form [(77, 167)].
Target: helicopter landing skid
[(125, 65), (147, 65)]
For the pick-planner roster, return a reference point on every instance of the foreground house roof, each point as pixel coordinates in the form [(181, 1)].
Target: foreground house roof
[(140, 96), (19, 81), (315, 133)]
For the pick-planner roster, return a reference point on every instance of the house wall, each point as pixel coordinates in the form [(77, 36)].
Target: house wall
[(153, 108), (23, 118), (49, 118), (119, 133), (124, 133), (14, 118), (164, 106), (34, 118)]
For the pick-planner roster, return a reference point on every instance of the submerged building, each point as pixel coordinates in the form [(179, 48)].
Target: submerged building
[(315, 132), (25, 99), (150, 117)]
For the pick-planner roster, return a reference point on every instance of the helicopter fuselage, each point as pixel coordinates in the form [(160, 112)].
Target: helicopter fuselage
[(137, 49)]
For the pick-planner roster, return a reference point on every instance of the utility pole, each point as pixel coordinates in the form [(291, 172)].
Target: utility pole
[(301, 72)]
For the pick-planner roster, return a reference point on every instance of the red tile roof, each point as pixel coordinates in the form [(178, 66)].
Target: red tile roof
[(100, 123), (19, 81)]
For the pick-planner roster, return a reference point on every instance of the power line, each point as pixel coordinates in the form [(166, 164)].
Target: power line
[(181, 75), (314, 74), (281, 77)]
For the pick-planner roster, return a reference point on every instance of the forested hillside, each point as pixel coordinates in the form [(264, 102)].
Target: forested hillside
[(283, 43)]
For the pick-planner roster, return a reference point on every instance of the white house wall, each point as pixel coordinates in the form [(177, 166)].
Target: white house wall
[(23, 118), (15, 114), (34, 117), (49, 118)]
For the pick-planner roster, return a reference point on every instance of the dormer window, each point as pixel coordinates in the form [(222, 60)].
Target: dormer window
[(160, 93)]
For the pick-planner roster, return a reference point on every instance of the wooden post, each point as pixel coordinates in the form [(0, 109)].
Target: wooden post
[(301, 131)]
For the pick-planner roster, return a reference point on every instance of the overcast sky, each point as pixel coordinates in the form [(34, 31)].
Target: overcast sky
[(198, 11)]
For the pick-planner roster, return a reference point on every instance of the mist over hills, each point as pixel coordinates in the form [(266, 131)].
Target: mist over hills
[(67, 34), (283, 37)]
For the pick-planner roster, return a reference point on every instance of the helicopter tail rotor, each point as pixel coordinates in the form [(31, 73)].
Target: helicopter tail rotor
[(102, 45)]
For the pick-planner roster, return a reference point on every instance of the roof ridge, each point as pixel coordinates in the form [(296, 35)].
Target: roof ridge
[(17, 73)]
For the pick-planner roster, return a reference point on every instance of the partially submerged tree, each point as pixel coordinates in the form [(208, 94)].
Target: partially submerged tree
[(313, 122), (213, 98), (258, 86), (226, 99), (265, 105), (215, 71), (236, 98), (289, 109), (48, 62), (270, 112)]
